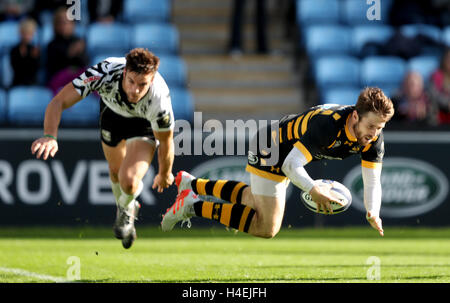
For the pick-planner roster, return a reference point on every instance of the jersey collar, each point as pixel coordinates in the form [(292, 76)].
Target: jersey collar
[(347, 130)]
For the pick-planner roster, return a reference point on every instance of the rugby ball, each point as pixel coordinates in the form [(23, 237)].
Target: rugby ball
[(337, 189)]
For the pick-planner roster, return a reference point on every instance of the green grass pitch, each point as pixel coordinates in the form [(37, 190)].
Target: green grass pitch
[(405, 255)]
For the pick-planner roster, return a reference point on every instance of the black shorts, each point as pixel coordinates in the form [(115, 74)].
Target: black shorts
[(115, 128)]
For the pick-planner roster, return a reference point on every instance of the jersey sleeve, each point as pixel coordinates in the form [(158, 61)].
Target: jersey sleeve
[(317, 133), (162, 118), (373, 153), (91, 80)]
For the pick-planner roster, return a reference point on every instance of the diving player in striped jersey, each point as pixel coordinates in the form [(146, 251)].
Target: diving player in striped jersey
[(136, 118), (322, 132)]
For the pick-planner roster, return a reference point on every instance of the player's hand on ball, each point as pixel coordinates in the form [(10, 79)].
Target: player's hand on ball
[(162, 182), (321, 195), (44, 147), (376, 223)]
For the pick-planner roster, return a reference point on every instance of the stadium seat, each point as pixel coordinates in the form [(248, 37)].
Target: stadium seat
[(446, 36), (84, 113), (335, 71), (174, 71), (6, 74), (138, 11), (182, 104), (425, 65), (430, 31), (100, 57), (382, 71), (310, 12), (159, 38), (354, 12), (9, 36), (327, 40), (363, 34), (27, 105), (3, 107), (342, 96), (101, 38)]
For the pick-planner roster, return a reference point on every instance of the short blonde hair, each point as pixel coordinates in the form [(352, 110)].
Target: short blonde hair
[(28, 24)]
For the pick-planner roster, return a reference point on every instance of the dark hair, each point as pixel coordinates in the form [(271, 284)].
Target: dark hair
[(142, 61), (444, 57), (372, 99)]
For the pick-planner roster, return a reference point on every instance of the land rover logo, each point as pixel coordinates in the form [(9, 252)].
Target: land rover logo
[(226, 168), (410, 187)]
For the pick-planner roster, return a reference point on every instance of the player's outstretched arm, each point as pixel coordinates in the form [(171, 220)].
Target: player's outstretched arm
[(166, 152), (47, 145)]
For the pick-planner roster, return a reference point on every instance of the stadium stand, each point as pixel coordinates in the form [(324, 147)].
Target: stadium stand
[(342, 96), (310, 12), (27, 104), (333, 71), (383, 71), (174, 70), (155, 10), (425, 65), (6, 75), (364, 34), (161, 38), (354, 12), (101, 38), (84, 113), (327, 40), (182, 103), (9, 36)]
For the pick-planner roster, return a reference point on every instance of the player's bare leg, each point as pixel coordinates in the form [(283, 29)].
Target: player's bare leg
[(128, 164)]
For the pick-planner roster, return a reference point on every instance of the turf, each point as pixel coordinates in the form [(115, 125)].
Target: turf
[(216, 255)]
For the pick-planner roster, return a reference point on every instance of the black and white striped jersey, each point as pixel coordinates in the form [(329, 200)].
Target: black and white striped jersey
[(106, 77)]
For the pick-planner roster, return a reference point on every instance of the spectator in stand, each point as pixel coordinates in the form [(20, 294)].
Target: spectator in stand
[(105, 11), (66, 54), (440, 88), (235, 47), (412, 103), (15, 9), (25, 56)]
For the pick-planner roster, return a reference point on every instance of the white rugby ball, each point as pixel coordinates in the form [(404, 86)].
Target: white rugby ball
[(337, 189)]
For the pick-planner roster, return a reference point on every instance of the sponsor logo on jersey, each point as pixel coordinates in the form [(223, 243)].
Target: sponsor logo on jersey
[(410, 187), (252, 158), (90, 79), (106, 135)]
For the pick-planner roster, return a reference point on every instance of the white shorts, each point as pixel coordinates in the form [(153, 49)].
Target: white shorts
[(265, 187)]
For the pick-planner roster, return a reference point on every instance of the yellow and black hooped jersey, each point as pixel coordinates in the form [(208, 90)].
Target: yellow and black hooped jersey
[(319, 133)]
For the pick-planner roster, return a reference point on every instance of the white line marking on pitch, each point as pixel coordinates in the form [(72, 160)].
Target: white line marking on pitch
[(25, 273)]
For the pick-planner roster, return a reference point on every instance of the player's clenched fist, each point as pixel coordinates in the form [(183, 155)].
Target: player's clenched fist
[(44, 147)]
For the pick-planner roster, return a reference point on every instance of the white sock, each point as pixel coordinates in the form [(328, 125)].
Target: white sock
[(117, 192), (125, 199)]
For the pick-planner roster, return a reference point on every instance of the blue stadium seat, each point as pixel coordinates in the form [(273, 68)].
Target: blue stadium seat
[(100, 57), (327, 40), (84, 113), (160, 38), (430, 31), (6, 74), (446, 36), (332, 71), (355, 12), (363, 34), (382, 71), (101, 38), (425, 65), (9, 36), (182, 104), (342, 96), (27, 104), (3, 106), (310, 12), (174, 70), (137, 11)]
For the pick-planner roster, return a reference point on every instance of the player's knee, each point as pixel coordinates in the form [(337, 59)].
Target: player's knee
[(269, 233), (129, 184)]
